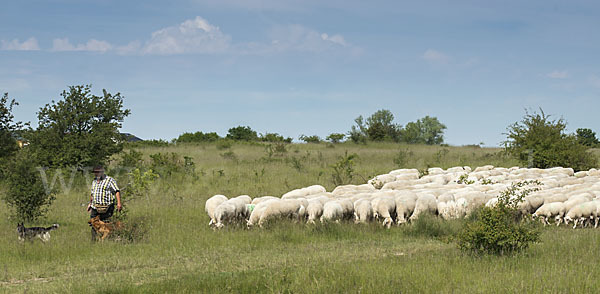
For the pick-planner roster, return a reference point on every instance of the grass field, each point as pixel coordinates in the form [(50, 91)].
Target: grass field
[(181, 254)]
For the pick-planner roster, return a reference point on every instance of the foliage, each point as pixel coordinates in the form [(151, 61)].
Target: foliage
[(587, 137), (401, 158), (335, 137), (26, 193), (501, 229), (377, 127), (230, 155), (242, 133), (147, 143), (427, 130), (310, 139), (139, 184), (224, 144), (132, 159), (274, 137), (8, 128), (464, 179), (275, 149), (197, 137), (343, 169), (537, 141), (166, 164), (80, 130)]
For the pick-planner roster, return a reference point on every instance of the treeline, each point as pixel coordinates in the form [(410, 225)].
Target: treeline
[(377, 127)]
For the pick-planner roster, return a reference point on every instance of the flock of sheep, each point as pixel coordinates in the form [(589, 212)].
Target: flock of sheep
[(403, 195)]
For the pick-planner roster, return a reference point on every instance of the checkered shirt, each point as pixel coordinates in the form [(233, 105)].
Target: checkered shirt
[(103, 191)]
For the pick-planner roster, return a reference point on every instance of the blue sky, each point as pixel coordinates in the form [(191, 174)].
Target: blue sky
[(309, 67)]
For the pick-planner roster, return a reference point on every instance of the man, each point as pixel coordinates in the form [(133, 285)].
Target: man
[(102, 198)]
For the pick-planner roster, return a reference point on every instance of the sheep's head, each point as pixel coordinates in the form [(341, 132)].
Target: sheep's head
[(567, 219)]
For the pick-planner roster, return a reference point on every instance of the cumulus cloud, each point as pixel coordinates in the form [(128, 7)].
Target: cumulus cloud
[(192, 36), (30, 44), (300, 38), (557, 74), (91, 45), (434, 56)]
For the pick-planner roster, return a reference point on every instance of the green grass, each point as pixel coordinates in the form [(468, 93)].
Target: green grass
[(182, 254)]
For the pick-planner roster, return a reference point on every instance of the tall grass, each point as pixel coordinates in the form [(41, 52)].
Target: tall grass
[(182, 254)]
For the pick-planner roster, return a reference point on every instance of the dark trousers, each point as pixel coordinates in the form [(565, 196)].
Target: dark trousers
[(103, 217)]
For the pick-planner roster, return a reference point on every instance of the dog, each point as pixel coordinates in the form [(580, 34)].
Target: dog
[(30, 233), (104, 228)]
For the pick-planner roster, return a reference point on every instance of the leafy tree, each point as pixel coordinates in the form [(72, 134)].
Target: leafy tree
[(380, 126), (242, 133), (80, 130), (197, 137), (538, 141), (427, 130), (358, 133), (587, 137), (25, 192), (335, 137), (310, 139), (8, 128), (274, 137)]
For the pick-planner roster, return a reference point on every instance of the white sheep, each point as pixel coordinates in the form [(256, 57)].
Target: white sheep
[(363, 211), (332, 211), (258, 200), (258, 211), (581, 212), (224, 213), (211, 204), (385, 208), (425, 204), (548, 210), (314, 210), (405, 205), (288, 208)]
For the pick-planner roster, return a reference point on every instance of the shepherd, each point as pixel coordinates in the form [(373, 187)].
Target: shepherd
[(102, 197)]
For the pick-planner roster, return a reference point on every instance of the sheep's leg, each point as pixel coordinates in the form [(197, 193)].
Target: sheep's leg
[(596, 222), (575, 221)]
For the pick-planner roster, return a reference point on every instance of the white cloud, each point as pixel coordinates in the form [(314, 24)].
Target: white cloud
[(557, 74), (30, 44), (131, 48), (192, 36), (91, 45), (300, 38), (434, 56)]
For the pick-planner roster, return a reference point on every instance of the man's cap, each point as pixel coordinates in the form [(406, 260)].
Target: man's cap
[(98, 169)]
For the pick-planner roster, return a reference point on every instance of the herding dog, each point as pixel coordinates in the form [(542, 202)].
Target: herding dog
[(104, 228), (39, 232)]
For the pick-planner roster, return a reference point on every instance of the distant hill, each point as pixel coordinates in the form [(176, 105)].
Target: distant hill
[(131, 138)]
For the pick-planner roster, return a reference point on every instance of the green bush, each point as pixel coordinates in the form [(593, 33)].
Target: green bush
[(224, 144), (343, 169), (26, 194), (310, 139), (132, 159), (501, 229), (537, 141), (274, 137), (197, 137), (241, 133), (8, 129), (587, 137), (335, 137), (431, 226)]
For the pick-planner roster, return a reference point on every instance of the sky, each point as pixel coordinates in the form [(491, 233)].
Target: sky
[(311, 66)]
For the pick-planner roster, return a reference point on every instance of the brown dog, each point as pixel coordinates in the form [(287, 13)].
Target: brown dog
[(104, 228)]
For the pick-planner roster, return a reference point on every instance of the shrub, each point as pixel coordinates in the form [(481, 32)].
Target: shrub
[(401, 158), (241, 133), (587, 137), (501, 229), (25, 192), (427, 130), (274, 137), (230, 155), (165, 164), (197, 137), (343, 169), (310, 139), (132, 159), (224, 144), (335, 137), (8, 128), (537, 141)]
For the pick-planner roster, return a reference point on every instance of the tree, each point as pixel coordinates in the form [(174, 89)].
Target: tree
[(310, 139), (242, 133), (380, 126), (197, 137), (335, 137), (274, 137), (26, 193), (80, 130), (358, 133), (587, 137), (537, 141), (8, 128), (427, 130)]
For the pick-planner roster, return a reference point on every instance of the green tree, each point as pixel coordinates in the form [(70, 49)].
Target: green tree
[(80, 130), (587, 137), (538, 141), (8, 128), (427, 130), (335, 137), (242, 133), (197, 137), (274, 137), (26, 193), (310, 139), (358, 133), (380, 126)]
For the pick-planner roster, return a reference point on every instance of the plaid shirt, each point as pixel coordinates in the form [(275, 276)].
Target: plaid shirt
[(103, 191)]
